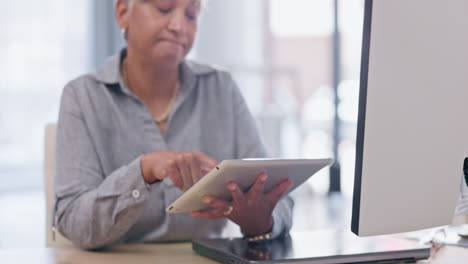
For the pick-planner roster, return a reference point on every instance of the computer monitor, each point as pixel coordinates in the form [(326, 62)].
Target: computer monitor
[(412, 134)]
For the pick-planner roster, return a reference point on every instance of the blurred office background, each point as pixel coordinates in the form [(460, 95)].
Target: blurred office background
[(297, 63)]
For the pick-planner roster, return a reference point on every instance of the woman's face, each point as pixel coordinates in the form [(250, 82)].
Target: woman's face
[(160, 30)]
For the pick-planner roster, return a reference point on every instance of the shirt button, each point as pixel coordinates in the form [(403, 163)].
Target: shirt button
[(136, 194)]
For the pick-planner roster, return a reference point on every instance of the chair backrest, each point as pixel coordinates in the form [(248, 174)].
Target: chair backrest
[(53, 238)]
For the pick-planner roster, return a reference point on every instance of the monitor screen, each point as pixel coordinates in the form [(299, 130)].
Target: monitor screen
[(412, 134)]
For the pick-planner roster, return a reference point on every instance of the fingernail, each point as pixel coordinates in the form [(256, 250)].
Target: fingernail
[(231, 186), (206, 199), (264, 176)]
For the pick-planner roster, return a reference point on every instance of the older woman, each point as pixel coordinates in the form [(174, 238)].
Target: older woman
[(133, 136)]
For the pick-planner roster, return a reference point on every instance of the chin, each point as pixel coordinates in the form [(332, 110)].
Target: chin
[(172, 60), (169, 58)]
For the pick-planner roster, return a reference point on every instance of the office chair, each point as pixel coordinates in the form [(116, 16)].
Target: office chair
[(53, 239)]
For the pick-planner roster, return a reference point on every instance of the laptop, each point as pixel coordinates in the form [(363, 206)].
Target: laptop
[(324, 246)]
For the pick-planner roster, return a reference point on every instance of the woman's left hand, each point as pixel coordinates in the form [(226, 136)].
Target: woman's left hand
[(252, 210)]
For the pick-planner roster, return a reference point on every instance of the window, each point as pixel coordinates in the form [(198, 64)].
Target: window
[(39, 41), (38, 44)]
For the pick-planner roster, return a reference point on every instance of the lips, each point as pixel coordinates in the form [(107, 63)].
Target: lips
[(173, 42)]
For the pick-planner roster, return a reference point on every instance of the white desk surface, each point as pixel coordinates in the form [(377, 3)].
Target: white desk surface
[(158, 253)]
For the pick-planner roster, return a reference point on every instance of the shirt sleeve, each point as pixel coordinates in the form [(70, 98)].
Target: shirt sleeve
[(92, 210), (249, 145)]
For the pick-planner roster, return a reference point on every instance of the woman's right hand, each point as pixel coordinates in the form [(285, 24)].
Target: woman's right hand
[(184, 168)]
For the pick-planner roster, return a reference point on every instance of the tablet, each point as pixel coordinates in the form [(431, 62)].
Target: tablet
[(244, 173)]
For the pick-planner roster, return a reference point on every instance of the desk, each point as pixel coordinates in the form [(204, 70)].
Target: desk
[(136, 253), (157, 253)]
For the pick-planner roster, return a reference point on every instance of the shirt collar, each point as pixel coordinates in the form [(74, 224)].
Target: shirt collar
[(110, 72)]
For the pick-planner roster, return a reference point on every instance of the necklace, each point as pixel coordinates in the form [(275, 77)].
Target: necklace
[(165, 115)]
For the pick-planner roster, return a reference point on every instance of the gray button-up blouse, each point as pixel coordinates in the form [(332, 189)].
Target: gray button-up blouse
[(104, 129)]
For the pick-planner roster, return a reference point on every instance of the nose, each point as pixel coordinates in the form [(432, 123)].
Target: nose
[(177, 22)]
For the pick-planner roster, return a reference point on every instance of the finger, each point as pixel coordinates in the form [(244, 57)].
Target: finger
[(208, 214), (280, 189), (173, 172), (257, 188), (206, 163), (216, 203), (160, 172), (185, 172), (236, 193), (194, 166)]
